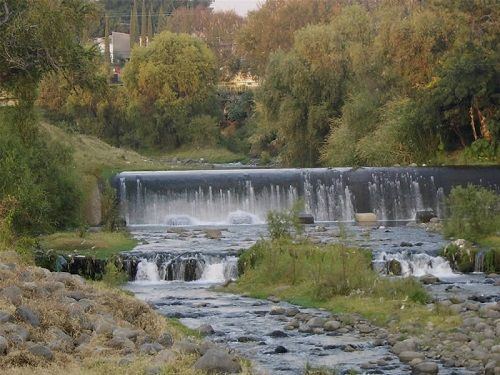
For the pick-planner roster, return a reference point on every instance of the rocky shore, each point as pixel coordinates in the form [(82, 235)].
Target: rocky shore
[(58, 323)]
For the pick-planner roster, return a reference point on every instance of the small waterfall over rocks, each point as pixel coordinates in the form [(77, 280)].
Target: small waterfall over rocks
[(184, 267), (415, 264), (239, 197)]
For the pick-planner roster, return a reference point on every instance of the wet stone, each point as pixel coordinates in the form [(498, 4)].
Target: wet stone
[(280, 350)]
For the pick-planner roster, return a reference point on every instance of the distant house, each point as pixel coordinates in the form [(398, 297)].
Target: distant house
[(119, 46)]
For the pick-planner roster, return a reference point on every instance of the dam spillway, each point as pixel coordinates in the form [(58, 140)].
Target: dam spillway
[(330, 194)]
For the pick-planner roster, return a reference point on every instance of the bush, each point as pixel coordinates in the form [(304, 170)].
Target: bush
[(285, 224), (473, 213), (323, 271), (113, 273), (39, 175)]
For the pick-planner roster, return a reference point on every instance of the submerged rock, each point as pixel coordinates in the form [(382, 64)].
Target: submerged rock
[(429, 279)]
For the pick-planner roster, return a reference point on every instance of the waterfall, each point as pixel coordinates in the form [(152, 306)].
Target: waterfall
[(479, 261), (186, 267), (418, 264), (236, 197)]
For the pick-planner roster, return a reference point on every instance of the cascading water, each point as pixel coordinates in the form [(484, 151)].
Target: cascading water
[(245, 196), (417, 264)]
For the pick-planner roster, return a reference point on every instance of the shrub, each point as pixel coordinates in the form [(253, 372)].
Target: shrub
[(38, 173), (113, 273), (284, 224), (473, 213)]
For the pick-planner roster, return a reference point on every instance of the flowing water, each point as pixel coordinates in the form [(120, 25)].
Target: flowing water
[(193, 225)]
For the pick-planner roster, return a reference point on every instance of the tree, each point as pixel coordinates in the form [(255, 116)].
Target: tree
[(217, 29), (144, 24), (134, 32), (150, 27), (273, 25), (170, 81), (107, 52)]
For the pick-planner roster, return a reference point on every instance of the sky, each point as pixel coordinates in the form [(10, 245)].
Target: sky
[(239, 6)]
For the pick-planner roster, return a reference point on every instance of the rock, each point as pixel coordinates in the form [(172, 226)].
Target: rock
[(60, 341), (28, 315), (186, 347), (166, 339), (409, 356), (41, 351), (365, 328), (121, 342), (280, 350), (368, 217), (273, 299), (316, 322), (126, 332), (405, 346), (424, 216), (278, 334), (83, 338), (429, 279), (164, 356), (4, 345), (15, 333), (306, 218), (67, 278), (13, 294), (248, 339), (426, 367), (213, 234), (103, 327), (292, 311), (6, 317), (277, 310), (304, 328), (76, 295), (53, 286), (406, 244), (394, 267), (205, 346), (205, 329), (150, 349), (331, 325), (218, 361), (153, 370)]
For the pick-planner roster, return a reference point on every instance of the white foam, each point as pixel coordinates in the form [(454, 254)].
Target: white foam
[(419, 264), (147, 271)]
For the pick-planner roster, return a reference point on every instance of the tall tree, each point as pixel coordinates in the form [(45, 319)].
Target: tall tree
[(134, 32), (162, 19), (150, 27), (170, 81), (144, 26), (273, 25), (107, 51)]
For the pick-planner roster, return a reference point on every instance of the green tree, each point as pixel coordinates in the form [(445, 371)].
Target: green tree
[(272, 28), (150, 27), (134, 30), (107, 52), (144, 24), (168, 82)]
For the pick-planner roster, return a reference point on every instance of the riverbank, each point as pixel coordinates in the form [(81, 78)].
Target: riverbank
[(439, 330), (58, 323)]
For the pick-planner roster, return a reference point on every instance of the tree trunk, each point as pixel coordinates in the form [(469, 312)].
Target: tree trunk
[(472, 123)]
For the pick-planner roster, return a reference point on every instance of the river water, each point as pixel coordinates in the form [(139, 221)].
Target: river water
[(207, 256)]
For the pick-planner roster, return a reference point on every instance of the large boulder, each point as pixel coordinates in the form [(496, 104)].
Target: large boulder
[(426, 367), (13, 294), (429, 279), (28, 315), (4, 345), (41, 351), (218, 361)]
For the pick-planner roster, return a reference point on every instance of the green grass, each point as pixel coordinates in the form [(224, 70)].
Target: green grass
[(339, 279), (101, 245)]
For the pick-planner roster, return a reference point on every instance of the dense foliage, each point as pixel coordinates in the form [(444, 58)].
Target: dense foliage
[(473, 213), (171, 83), (392, 82), (38, 186)]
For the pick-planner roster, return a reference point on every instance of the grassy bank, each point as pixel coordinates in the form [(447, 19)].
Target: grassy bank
[(339, 279), (101, 245)]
